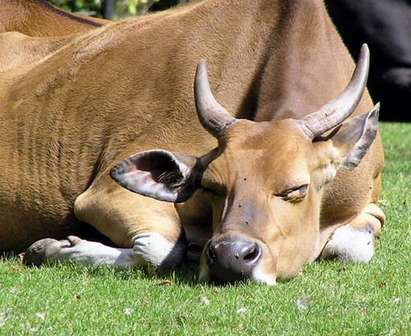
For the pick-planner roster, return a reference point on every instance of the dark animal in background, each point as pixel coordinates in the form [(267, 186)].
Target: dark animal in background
[(386, 27)]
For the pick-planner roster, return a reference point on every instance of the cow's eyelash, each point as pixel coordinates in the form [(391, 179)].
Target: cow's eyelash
[(301, 190)]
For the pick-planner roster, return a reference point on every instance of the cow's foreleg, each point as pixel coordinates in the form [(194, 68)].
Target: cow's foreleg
[(355, 241), (145, 232), (149, 230), (146, 247), (78, 250)]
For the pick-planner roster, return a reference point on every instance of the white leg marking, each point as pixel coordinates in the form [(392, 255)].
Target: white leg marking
[(153, 247), (349, 244), (150, 248), (92, 253)]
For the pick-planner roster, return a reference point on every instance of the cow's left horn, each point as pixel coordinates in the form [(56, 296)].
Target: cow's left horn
[(212, 115), (339, 109)]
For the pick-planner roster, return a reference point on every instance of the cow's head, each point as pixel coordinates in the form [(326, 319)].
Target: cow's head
[(265, 179)]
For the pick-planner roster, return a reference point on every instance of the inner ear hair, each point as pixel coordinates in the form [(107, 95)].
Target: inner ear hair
[(355, 137), (159, 174), (163, 168)]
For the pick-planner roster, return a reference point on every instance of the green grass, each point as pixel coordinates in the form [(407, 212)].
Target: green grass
[(329, 298)]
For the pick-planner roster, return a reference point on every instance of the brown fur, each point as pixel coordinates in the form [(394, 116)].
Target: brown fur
[(100, 97), (38, 18)]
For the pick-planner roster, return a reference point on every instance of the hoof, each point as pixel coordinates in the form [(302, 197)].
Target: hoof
[(42, 250)]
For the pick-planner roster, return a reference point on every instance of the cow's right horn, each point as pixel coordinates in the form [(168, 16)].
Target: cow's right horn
[(339, 109), (212, 115)]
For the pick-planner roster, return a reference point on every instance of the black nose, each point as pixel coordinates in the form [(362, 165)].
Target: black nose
[(232, 259)]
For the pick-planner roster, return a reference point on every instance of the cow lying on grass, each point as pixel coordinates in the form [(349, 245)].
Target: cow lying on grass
[(101, 128)]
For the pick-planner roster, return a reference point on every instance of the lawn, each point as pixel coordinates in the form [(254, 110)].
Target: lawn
[(329, 298)]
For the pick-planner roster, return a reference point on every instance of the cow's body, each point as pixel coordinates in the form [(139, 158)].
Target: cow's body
[(386, 27), (68, 116)]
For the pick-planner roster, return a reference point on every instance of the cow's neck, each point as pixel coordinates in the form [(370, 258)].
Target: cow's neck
[(265, 57), (293, 64)]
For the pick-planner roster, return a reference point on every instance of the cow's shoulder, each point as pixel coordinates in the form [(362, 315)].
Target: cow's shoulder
[(19, 50), (33, 66)]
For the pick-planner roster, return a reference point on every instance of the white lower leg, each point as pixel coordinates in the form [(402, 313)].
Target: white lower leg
[(92, 253), (355, 241), (148, 249), (155, 249), (350, 244)]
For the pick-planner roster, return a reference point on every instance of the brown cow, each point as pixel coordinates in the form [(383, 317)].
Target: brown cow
[(39, 18), (265, 184)]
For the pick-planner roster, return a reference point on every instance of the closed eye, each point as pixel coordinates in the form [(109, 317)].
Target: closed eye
[(294, 194)]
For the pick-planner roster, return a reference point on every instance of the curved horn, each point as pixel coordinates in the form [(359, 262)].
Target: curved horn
[(212, 115), (339, 109)]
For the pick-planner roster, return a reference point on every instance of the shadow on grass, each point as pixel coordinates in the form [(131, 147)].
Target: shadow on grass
[(186, 274)]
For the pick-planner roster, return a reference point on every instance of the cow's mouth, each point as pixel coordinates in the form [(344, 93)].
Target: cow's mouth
[(257, 275)]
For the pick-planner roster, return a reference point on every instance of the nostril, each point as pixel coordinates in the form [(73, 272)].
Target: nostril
[(252, 253), (232, 259)]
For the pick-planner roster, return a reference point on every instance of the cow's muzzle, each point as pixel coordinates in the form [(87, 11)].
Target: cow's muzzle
[(232, 259)]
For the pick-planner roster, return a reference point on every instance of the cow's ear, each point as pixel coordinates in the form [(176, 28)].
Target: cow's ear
[(159, 174), (353, 139)]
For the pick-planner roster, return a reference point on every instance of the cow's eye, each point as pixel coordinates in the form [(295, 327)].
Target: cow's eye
[(293, 195)]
